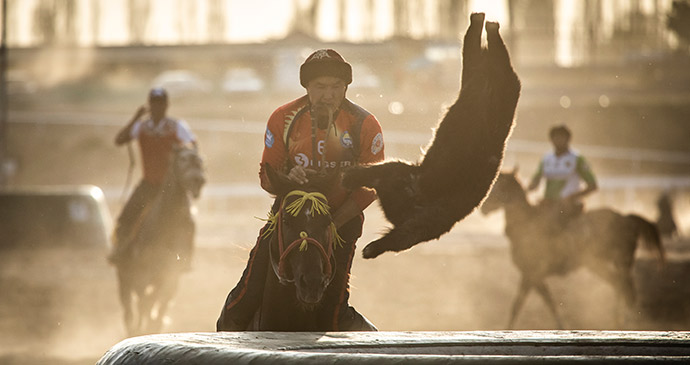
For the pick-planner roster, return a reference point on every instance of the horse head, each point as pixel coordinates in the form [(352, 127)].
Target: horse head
[(506, 190), (188, 169), (304, 239)]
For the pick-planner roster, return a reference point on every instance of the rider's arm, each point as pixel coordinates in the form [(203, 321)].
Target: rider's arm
[(537, 177), (274, 148), (184, 133), (371, 150), (348, 210), (125, 134), (586, 174)]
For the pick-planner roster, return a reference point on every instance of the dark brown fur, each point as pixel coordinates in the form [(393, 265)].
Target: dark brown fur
[(424, 200)]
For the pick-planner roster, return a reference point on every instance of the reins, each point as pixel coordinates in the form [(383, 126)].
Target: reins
[(319, 205), (130, 169)]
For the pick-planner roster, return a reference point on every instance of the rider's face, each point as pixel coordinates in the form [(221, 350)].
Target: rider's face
[(560, 142), (157, 108), (326, 93)]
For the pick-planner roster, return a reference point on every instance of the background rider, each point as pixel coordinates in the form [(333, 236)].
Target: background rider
[(320, 131), (564, 170), (157, 134)]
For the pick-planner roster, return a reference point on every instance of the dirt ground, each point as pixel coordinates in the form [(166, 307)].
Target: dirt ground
[(61, 307)]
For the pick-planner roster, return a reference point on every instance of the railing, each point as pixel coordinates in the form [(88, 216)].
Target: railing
[(392, 136), (218, 196)]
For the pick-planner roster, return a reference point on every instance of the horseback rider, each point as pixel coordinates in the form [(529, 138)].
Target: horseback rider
[(666, 222), (564, 169), (321, 130), (157, 134)]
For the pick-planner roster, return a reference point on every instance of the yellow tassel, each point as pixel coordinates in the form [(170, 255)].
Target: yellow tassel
[(303, 246), (318, 206), (337, 240), (272, 220)]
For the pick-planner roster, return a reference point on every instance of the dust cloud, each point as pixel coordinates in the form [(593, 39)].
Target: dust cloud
[(61, 306)]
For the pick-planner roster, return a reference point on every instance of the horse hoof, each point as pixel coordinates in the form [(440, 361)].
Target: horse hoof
[(477, 17), (370, 252), (492, 26)]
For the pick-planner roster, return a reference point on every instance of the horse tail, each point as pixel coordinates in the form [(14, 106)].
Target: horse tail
[(650, 235)]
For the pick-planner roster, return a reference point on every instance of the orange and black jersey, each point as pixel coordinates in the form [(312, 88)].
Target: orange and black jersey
[(355, 138), (156, 142)]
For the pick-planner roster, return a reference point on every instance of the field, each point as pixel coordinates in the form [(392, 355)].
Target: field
[(61, 307)]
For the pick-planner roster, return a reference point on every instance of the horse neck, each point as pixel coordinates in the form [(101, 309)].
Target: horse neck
[(518, 209), (173, 197)]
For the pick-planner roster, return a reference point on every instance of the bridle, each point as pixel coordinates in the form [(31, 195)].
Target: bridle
[(319, 205)]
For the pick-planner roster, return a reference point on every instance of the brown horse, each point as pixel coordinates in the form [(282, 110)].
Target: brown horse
[(302, 249), (601, 240), (162, 241)]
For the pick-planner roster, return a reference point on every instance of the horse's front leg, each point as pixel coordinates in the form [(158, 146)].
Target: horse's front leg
[(125, 294), (146, 303), (545, 293), (523, 290), (425, 223), (164, 295)]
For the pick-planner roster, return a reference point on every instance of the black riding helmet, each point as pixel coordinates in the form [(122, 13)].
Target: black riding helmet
[(158, 94), (325, 62)]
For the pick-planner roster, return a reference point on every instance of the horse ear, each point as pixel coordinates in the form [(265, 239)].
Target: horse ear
[(516, 168)]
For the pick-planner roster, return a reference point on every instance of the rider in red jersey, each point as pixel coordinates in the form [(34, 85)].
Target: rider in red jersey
[(322, 130), (157, 135)]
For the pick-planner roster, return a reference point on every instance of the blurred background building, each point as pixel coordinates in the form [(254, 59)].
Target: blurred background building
[(75, 71), (615, 71)]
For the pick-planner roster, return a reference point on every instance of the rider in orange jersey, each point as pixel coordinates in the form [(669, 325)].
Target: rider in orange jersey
[(322, 130), (157, 135)]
